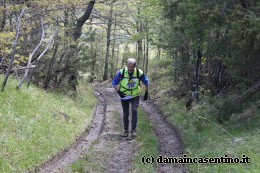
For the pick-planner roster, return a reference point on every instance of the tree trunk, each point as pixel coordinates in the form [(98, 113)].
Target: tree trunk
[(144, 54), (4, 16), (83, 19), (159, 53), (108, 42), (112, 64), (14, 50), (139, 50), (158, 57), (136, 52), (11, 22), (113, 52), (147, 50), (93, 63), (117, 56), (195, 86), (48, 78), (139, 41), (70, 71), (243, 3), (66, 23), (175, 65)]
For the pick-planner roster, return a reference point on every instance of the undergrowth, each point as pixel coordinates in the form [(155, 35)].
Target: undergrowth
[(204, 136)]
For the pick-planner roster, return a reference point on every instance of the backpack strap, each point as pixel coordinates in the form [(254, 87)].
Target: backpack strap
[(123, 74), (122, 77), (138, 75)]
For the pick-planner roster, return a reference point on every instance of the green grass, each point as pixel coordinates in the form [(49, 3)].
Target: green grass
[(78, 166), (147, 142), (36, 124), (204, 137)]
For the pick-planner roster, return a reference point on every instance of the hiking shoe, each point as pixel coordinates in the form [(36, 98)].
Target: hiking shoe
[(133, 134), (125, 134)]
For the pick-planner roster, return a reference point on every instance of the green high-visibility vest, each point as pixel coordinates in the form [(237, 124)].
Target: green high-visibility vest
[(130, 87)]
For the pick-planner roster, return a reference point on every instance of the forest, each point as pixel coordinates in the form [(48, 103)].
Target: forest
[(59, 57)]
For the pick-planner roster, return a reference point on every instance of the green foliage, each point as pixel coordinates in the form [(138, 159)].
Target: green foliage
[(127, 54), (91, 78), (91, 54), (201, 133), (220, 28), (154, 76), (228, 108), (6, 40)]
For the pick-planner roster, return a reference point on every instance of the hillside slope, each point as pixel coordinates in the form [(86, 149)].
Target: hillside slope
[(36, 124)]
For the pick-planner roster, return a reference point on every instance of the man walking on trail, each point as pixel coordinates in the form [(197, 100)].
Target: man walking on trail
[(128, 80)]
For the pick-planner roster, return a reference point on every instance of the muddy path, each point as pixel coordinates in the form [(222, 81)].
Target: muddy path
[(169, 140), (105, 149), (113, 153)]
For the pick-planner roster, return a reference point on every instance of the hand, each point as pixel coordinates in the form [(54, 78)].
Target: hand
[(146, 95), (120, 93)]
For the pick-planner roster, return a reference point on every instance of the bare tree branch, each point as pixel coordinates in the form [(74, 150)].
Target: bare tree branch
[(30, 57), (14, 49), (48, 46), (45, 50), (125, 29), (23, 68)]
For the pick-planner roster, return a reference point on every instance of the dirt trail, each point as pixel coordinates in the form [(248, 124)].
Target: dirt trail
[(116, 150), (109, 151), (169, 140)]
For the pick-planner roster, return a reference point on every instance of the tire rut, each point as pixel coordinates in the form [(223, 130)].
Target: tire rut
[(121, 151), (170, 144), (81, 146)]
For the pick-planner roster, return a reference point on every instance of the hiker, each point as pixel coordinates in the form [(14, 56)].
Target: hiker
[(128, 80)]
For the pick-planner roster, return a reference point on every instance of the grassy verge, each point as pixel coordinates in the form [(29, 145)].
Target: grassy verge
[(147, 144), (36, 125), (204, 137)]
